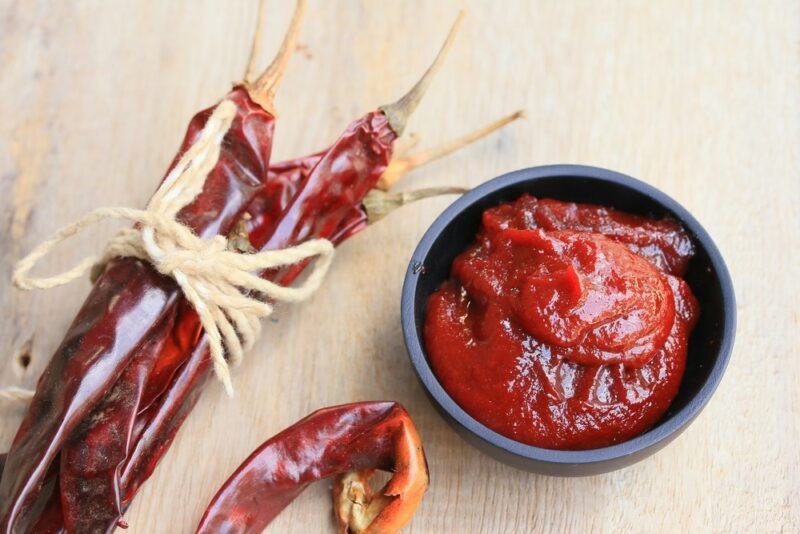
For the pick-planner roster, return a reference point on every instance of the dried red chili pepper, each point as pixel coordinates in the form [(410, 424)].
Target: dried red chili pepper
[(130, 299), (350, 442)]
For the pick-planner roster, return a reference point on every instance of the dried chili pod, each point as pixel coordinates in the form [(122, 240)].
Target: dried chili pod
[(130, 299), (351, 441)]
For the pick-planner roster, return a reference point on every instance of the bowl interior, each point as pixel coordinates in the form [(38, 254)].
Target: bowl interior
[(456, 228)]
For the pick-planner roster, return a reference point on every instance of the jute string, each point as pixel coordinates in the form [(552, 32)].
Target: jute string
[(223, 285), (14, 393)]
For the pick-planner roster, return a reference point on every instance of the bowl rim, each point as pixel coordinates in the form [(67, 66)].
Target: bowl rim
[(642, 442)]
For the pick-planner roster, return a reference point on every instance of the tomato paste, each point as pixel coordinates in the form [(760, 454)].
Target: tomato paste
[(565, 325)]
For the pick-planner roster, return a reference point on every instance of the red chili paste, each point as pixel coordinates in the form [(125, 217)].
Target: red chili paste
[(564, 325)]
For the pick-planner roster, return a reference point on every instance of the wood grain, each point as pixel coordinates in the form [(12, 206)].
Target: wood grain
[(701, 99)]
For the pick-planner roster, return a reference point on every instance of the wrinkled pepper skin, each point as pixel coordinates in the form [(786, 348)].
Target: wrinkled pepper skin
[(335, 187), (127, 303), (50, 519), (329, 442), (92, 456), (279, 190)]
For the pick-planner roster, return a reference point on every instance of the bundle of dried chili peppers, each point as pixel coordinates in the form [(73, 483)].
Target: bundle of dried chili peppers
[(349, 442), (135, 359)]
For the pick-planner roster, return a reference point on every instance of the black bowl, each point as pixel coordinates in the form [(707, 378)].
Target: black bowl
[(709, 346)]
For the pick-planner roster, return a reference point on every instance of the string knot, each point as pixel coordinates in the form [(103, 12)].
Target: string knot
[(223, 285)]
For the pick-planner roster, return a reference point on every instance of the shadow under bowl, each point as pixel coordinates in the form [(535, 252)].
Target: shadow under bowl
[(710, 344)]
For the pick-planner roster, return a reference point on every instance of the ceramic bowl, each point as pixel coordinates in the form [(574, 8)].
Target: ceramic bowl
[(709, 346)]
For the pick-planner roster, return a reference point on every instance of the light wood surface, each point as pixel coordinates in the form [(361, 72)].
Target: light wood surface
[(701, 99)]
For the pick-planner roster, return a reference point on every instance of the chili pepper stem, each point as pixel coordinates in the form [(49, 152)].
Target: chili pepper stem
[(379, 204), (263, 89), (399, 111), (249, 73), (405, 164)]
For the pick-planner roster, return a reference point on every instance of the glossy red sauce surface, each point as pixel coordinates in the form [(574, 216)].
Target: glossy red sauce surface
[(564, 325)]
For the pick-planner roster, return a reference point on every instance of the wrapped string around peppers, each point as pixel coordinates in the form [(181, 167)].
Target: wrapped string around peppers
[(130, 300), (348, 442)]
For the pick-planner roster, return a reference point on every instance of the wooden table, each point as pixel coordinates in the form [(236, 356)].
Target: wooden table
[(700, 99)]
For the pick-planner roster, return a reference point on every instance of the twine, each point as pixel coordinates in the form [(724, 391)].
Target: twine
[(221, 284), (14, 393)]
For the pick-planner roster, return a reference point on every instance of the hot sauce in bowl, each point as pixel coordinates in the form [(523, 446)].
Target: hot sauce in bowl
[(564, 325)]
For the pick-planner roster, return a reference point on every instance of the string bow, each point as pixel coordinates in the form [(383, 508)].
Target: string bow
[(223, 285)]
